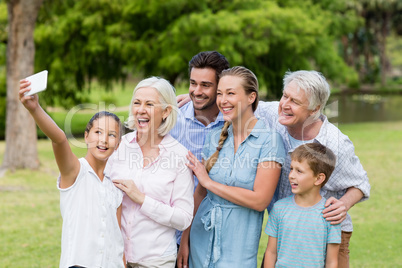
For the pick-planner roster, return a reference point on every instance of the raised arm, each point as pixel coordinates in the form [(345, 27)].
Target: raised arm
[(67, 162)]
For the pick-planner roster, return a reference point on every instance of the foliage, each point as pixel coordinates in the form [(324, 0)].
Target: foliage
[(81, 40), (394, 48), (365, 48), (262, 35), (78, 41)]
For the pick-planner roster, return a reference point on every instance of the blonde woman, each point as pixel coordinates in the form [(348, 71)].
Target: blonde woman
[(242, 169), (149, 167)]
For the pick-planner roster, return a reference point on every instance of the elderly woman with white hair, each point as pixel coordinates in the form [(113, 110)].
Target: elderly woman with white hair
[(149, 167)]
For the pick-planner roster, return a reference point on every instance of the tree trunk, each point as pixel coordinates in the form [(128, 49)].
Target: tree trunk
[(382, 37), (21, 136)]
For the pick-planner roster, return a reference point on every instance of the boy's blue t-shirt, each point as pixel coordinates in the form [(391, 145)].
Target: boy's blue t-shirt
[(302, 233)]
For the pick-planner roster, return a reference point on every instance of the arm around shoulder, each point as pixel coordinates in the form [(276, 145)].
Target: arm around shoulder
[(349, 171), (349, 177)]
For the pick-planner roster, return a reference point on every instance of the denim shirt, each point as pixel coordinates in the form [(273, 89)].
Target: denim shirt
[(220, 224), (239, 169)]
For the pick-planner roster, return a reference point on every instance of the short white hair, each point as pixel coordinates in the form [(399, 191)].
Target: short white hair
[(167, 97), (314, 85)]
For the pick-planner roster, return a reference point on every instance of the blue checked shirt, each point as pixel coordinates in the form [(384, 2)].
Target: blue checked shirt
[(348, 170), (191, 133)]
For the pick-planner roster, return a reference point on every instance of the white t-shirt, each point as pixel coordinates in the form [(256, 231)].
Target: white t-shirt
[(91, 236)]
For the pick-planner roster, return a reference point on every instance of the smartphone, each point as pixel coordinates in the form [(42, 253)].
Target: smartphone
[(38, 83)]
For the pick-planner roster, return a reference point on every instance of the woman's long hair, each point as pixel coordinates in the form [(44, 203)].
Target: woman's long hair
[(250, 84)]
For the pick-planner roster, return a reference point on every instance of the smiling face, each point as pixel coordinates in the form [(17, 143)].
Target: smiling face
[(232, 99), (103, 138), (293, 107), (147, 111), (202, 88)]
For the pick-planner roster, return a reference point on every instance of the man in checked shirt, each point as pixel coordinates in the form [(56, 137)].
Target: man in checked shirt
[(298, 118)]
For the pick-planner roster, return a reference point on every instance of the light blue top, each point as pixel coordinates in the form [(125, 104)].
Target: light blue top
[(223, 233), (302, 233), (191, 133)]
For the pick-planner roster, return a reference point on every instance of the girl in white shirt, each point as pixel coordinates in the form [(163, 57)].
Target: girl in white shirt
[(149, 167), (89, 203)]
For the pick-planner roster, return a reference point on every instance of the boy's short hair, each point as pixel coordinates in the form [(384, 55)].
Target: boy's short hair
[(320, 158)]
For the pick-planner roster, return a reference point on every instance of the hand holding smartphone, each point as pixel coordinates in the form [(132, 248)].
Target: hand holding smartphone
[(38, 83)]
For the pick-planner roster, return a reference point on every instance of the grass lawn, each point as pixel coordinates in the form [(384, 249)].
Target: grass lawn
[(376, 240), (30, 226)]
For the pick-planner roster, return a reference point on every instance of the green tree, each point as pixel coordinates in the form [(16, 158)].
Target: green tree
[(79, 41), (107, 40), (379, 17), (368, 42), (268, 37)]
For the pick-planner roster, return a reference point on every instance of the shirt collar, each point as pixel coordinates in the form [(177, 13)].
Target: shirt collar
[(131, 137), (255, 132), (166, 142), (90, 170), (188, 112), (258, 128), (322, 134), (320, 138)]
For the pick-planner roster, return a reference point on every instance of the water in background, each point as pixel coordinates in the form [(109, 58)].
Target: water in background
[(364, 108)]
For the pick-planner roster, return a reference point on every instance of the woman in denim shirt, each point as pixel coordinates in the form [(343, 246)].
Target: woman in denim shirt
[(238, 181)]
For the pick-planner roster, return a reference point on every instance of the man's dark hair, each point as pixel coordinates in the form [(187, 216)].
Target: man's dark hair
[(209, 59)]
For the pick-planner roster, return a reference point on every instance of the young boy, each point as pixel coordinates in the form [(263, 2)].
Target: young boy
[(298, 234)]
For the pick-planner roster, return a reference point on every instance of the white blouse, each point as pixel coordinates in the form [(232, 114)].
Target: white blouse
[(91, 235)]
